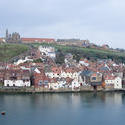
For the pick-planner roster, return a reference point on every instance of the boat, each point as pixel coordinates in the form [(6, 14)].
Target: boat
[(3, 113)]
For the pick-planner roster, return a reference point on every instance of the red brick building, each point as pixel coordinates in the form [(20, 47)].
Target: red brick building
[(37, 40), (40, 80)]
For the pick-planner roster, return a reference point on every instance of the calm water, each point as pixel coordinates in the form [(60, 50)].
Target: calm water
[(63, 109)]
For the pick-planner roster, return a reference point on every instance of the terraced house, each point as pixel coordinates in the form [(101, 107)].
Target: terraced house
[(17, 77)]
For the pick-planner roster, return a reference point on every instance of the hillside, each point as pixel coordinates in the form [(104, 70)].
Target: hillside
[(8, 51), (89, 53)]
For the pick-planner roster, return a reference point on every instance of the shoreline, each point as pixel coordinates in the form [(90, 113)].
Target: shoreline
[(36, 91)]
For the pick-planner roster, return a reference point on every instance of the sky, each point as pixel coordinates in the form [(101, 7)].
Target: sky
[(100, 21)]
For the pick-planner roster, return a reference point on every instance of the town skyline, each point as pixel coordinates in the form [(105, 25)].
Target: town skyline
[(100, 22), (14, 35)]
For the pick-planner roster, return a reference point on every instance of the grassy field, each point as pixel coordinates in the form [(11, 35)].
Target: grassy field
[(79, 52), (7, 51)]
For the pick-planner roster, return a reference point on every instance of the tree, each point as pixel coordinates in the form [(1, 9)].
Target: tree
[(60, 56)]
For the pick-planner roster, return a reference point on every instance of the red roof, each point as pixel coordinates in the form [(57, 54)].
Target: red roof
[(85, 60), (81, 59), (30, 40), (94, 74), (109, 77), (71, 70), (56, 69)]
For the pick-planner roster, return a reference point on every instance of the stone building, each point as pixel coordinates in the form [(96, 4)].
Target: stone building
[(12, 38)]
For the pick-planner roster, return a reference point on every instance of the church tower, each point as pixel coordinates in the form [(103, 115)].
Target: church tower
[(7, 34)]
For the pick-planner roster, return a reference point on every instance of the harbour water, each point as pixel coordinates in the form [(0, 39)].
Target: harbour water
[(63, 109)]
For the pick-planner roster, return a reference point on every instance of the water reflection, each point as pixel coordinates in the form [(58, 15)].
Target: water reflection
[(68, 108), (58, 100)]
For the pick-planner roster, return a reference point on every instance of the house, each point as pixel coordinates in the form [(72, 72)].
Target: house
[(84, 62), (112, 81), (26, 81), (75, 84), (80, 80), (56, 83), (53, 84), (2, 73), (65, 77), (34, 53), (91, 78), (118, 83), (47, 51), (71, 72), (2, 40), (68, 58), (40, 79), (69, 61), (23, 61), (17, 77), (68, 82), (96, 79), (109, 81), (62, 82), (85, 43), (105, 46), (55, 72), (85, 74)]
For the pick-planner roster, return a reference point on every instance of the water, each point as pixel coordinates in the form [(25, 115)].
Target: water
[(63, 109)]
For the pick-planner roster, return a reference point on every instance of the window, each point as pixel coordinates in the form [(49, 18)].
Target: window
[(13, 78), (46, 82), (40, 83), (93, 78)]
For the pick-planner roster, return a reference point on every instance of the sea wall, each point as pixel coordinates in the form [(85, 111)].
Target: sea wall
[(61, 90)]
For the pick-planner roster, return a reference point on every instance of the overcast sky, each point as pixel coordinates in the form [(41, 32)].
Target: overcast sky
[(100, 21)]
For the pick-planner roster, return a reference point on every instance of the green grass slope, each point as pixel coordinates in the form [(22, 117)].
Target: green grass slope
[(7, 51), (90, 53)]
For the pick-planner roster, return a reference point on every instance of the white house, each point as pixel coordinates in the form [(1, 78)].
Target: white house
[(61, 83), (53, 84), (63, 74), (84, 62), (19, 83), (48, 51), (17, 77), (72, 78), (75, 84), (114, 81), (52, 75), (23, 61), (118, 83)]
